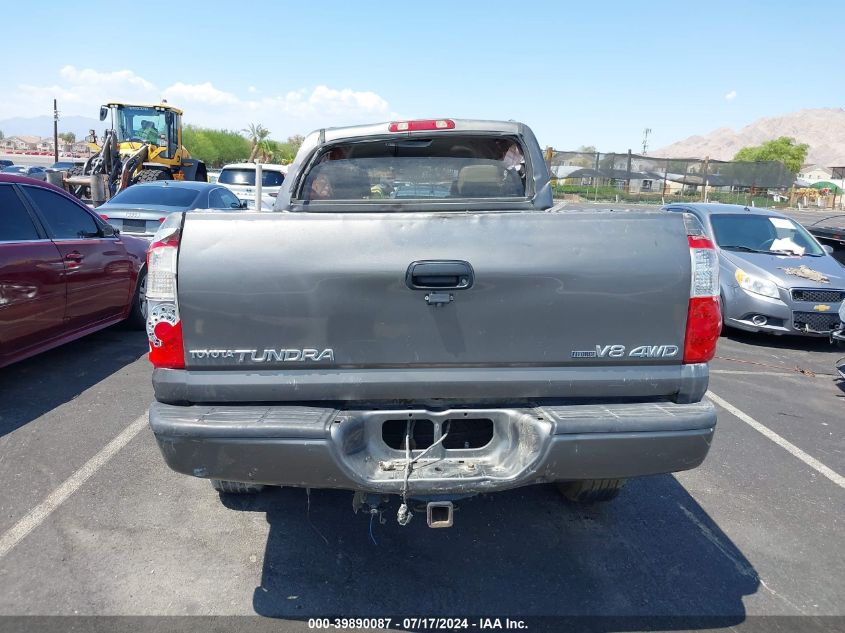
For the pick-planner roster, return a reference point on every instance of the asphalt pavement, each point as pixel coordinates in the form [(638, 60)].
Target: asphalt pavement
[(93, 523)]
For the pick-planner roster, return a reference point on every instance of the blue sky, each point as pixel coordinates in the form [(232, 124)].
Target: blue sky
[(577, 73)]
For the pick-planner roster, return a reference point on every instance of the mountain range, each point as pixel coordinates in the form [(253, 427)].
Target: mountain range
[(823, 129), (43, 126)]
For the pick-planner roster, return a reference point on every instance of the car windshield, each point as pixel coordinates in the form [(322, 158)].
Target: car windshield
[(448, 166), (177, 197), (763, 234), (14, 169), (246, 176)]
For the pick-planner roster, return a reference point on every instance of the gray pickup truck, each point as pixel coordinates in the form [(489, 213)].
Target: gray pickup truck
[(417, 319)]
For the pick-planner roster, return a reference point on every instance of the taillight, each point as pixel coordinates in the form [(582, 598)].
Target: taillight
[(421, 124), (164, 328), (704, 314), (160, 220), (104, 216)]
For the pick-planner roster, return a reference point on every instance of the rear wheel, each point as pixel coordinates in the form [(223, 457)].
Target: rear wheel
[(236, 487), (591, 490), (138, 314), (152, 175)]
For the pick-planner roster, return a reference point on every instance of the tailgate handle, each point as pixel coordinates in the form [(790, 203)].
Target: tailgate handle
[(439, 274)]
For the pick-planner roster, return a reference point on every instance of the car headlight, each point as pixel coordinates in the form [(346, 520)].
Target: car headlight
[(757, 285)]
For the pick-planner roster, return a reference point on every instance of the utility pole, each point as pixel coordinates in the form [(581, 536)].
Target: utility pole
[(646, 132), (55, 132)]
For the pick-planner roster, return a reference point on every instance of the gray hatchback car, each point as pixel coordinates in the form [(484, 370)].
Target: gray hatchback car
[(775, 277)]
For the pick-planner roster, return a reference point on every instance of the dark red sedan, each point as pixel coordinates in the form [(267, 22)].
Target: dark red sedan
[(64, 272)]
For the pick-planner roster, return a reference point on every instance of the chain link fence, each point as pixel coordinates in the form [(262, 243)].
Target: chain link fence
[(596, 176)]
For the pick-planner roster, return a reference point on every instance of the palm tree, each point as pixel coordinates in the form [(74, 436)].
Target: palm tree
[(256, 133)]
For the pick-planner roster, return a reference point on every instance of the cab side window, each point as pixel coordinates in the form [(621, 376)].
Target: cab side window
[(15, 222), (65, 220)]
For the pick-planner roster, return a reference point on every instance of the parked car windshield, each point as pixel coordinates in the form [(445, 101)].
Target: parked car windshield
[(452, 166), (763, 234), (181, 197), (14, 169), (246, 176)]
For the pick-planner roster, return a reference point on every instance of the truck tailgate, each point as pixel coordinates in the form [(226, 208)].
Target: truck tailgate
[(587, 290)]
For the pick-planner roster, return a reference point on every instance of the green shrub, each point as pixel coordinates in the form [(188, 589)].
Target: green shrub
[(215, 147)]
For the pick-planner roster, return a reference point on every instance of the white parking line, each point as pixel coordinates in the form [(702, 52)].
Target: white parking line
[(812, 462), (39, 513)]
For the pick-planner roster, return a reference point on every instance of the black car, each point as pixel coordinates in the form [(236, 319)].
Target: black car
[(5, 163), (65, 165)]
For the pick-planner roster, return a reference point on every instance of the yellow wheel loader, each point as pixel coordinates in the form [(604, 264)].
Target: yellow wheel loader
[(142, 144)]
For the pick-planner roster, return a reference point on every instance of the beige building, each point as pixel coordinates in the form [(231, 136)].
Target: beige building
[(21, 143), (814, 173)]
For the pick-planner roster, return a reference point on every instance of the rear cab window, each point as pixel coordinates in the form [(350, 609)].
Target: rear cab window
[(246, 176), (417, 168)]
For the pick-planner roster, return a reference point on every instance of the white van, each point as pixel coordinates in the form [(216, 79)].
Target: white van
[(239, 178)]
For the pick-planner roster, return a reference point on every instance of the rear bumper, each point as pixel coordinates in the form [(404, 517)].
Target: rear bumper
[(679, 383), (330, 448)]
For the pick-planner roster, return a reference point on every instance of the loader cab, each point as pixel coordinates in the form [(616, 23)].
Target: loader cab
[(156, 125)]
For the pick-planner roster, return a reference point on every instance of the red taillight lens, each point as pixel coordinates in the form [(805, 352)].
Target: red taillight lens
[(104, 216), (704, 313), (704, 324), (699, 241), (160, 220), (170, 353), (421, 125)]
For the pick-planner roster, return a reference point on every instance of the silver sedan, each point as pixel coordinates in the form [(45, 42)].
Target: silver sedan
[(775, 277), (30, 171), (140, 209)]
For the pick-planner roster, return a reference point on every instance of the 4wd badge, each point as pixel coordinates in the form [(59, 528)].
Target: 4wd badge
[(620, 351)]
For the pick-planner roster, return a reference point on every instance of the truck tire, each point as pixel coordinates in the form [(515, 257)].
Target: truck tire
[(137, 319), (152, 175), (591, 490), (236, 487)]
